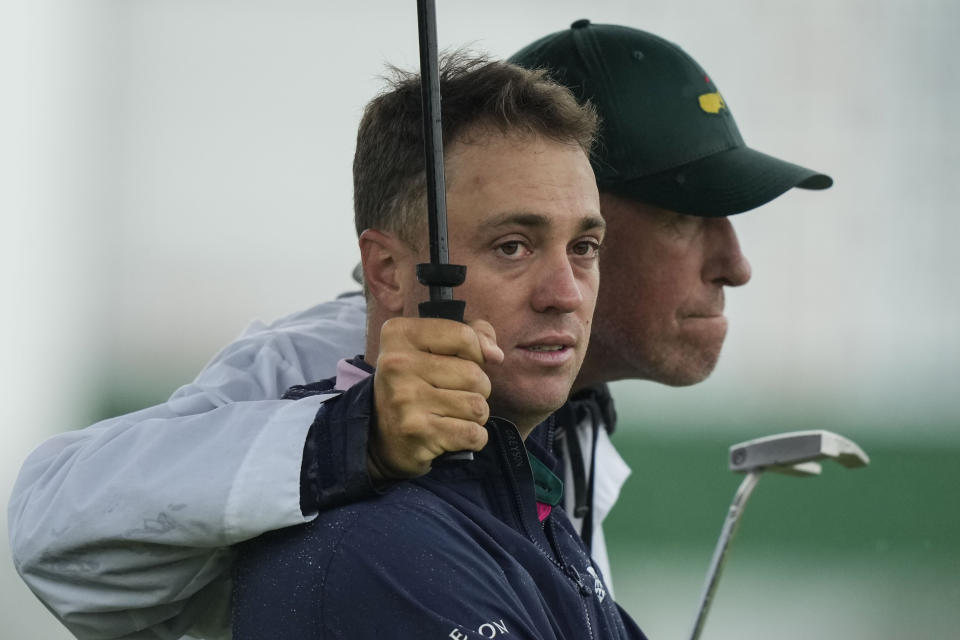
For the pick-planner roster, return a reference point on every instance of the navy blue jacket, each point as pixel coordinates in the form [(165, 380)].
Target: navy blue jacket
[(458, 554)]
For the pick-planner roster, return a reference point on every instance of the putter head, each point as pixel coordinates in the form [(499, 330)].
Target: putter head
[(796, 453)]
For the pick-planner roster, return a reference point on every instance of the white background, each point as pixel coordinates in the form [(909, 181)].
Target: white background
[(171, 170)]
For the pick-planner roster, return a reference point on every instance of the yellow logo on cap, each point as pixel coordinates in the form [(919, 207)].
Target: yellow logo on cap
[(712, 102)]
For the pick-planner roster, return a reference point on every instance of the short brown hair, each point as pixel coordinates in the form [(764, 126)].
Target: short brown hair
[(389, 183)]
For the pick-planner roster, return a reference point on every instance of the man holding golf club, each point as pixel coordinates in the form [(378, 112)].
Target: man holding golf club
[(131, 552), (475, 547)]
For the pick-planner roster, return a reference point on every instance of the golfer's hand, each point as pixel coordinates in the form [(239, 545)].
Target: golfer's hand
[(430, 393)]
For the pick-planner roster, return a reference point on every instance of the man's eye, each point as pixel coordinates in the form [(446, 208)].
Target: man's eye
[(509, 248), (586, 248)]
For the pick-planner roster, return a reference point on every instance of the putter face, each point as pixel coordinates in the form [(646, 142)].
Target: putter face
[(796, 452)]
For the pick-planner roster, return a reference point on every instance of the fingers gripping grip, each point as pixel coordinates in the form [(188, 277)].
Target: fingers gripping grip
[(441, 278)]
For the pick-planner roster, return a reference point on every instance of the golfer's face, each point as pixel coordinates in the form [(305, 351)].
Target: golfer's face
[(524, 216)]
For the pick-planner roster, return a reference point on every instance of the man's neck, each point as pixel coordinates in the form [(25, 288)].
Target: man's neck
[(525, 424)]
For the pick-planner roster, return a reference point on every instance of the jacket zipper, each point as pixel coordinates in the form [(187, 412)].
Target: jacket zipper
[(586, 591), (566, 569)]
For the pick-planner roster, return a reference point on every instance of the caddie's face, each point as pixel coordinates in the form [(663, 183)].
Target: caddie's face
[(660, 313), (524, 217)]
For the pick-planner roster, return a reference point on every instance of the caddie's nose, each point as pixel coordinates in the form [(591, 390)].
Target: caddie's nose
[(724, 262)]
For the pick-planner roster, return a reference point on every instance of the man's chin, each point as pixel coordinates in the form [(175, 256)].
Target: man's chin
[(530, 408), (692, 357), (688, 368)]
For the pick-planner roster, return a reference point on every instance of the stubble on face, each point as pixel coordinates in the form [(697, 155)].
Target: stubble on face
[(660, 315), (521, 209)]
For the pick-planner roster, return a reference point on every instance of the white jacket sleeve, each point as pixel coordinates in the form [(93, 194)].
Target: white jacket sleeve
[(123, 528)]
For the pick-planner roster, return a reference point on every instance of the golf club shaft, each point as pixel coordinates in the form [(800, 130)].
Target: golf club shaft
[(433, 142), (720, 552), (439, 275)]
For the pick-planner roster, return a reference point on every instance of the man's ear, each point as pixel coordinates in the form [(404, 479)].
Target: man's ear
[(383, 255)]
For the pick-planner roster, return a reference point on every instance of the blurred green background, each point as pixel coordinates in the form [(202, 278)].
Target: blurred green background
[(870, 553), (175, 169)]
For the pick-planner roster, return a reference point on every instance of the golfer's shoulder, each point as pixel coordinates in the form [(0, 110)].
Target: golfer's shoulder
[(404, 532), (396, 533), (401, 515)]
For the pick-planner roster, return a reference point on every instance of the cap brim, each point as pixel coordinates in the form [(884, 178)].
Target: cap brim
[(722, 184)]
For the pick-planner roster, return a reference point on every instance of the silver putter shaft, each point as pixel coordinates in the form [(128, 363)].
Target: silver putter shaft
[(795, 453)]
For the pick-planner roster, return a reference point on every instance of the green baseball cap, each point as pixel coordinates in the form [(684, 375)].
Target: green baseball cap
[(667, 136)]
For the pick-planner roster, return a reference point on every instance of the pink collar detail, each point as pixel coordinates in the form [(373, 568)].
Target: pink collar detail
[(543, 510), (348, 375)]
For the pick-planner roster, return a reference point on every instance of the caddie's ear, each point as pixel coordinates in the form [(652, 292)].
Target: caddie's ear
[(385, 259)]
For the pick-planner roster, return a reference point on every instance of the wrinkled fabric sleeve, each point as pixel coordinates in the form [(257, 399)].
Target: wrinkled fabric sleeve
[(334, 470), (123, 529)]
